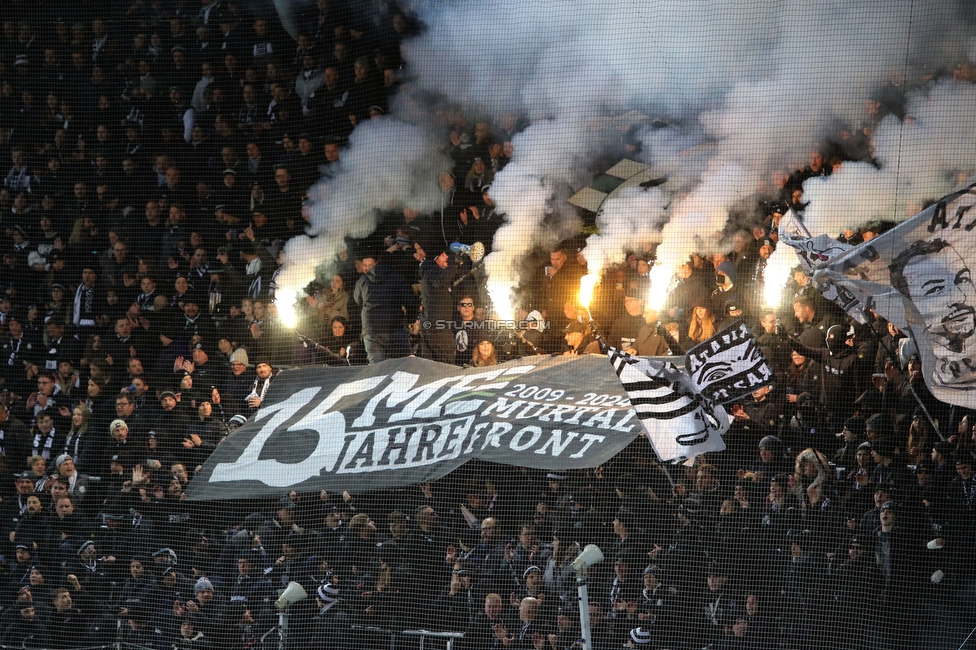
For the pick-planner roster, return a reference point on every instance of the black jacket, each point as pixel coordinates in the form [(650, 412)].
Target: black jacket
[(385, 298)]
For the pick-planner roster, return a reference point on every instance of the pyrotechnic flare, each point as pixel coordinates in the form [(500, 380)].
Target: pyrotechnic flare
[(285, 301), (776, 274), (587, 285)]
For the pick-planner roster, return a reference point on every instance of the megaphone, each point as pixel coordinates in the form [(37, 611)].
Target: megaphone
[(589, 556), (475, 251), (293, 593)]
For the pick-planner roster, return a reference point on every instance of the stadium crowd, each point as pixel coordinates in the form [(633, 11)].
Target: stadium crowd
[(160, 156)]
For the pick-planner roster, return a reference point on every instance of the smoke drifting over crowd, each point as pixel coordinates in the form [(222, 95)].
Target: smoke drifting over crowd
[(747, 87)]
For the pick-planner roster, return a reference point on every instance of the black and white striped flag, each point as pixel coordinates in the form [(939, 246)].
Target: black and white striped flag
[(678, 421), (681, 411)]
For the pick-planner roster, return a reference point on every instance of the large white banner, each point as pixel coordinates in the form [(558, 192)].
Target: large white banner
[(406, 421), (918, 276)]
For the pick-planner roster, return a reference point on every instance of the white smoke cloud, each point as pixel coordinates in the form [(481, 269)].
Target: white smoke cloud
[(532, 192), (630, 218), (919, 160), (387, 165), (749, 86)]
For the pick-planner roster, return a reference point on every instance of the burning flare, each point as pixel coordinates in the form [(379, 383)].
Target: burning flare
[(776, 274), (285, 302), (661, 276), (587, 284)]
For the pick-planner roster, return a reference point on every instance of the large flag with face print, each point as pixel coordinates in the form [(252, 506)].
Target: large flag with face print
[(917, 275)]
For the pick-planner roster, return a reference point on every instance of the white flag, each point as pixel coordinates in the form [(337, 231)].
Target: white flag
[(815, 253), (677, 419), (917, 275)]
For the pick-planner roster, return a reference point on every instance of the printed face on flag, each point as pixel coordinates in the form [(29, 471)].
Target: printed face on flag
[(729, 366), (937, 280), (815, 253), (678, 421), (917, 275)]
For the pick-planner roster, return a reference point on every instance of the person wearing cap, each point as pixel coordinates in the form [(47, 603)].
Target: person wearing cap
[(942, 459), (716, 604), (852, 596), (657, 605), (14, 508), (207, 609), (638, 637), (85, 577), (77, 482), (881, 494), (120, 450), (895, 552), (264, 375), (230, 198), (478, 176), (852, 434), (456, 606), (207, 374), (238, 385), (19, 566), (961, 492), (437, 273), (624, 589), (755, 278), (169, 427), (726, 293), (579, 340), (25, 625), (889, 469), (624, 331), (17, 348), (847, 359)]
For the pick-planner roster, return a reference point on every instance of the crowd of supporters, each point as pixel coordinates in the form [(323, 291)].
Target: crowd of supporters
[(160, 155)]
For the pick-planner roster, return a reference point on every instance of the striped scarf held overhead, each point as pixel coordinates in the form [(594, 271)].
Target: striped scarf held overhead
[(83, 313), (41, 445)]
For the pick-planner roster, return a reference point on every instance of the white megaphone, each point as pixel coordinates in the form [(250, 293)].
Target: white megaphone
[(475, 251), (589, 556), (293, 593)]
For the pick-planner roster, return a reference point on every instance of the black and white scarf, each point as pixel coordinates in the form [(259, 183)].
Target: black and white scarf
[(83, 313), (263, 384), (42, 445)]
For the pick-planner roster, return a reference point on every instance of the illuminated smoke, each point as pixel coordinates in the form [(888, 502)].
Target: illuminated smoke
[(920, 159), (776, 274), (749, 86)]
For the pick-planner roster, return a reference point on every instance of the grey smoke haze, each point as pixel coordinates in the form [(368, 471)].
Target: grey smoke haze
[(750, 87), (387, 164), (921, 159)]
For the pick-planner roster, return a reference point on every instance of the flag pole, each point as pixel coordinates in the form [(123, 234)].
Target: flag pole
[(893, 358)]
